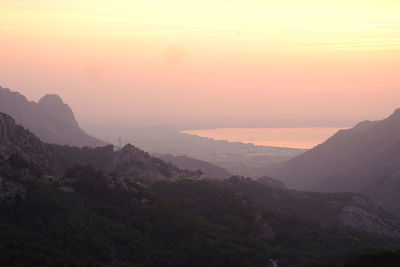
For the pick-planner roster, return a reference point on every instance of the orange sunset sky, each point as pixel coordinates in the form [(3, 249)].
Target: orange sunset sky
[(206, 63)]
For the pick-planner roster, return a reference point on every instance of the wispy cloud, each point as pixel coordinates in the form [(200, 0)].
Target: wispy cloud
[(350, 26), (352, 46), (180, 31)]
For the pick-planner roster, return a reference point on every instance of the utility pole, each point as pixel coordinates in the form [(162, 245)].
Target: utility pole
[(119, 143)]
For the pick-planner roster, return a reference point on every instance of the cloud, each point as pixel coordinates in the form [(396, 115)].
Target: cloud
[(351, 26)]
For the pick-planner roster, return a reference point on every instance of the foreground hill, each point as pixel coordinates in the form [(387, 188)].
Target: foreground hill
[(16, 140), (122, 213), (128, 162), (50, 119), (208, 169), (238, 158), (53, 159), (363, 159)]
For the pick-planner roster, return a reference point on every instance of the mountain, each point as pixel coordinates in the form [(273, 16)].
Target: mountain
[(208, 169), (53, 159), (365, 159), (98, 211), (129, 162), (338, 210), (50, 119), (17, 142)]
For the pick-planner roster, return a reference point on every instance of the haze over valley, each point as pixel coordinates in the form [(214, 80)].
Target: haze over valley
[(35, 172), (170, 133)]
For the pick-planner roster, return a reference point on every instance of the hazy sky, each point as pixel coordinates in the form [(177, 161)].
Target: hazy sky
[(199, 63)]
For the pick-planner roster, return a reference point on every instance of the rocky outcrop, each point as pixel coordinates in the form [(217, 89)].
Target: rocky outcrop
[(134, 162), (50, 119), (331, 210), (16, 140), (129, 162), (208, 169), (362, 215), (270, 182)]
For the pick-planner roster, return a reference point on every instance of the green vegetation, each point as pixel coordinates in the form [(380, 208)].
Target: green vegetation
[(181, 223), (101, 227), (381, 259)]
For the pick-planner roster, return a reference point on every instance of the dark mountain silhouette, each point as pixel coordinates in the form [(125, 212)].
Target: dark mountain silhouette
[(16, 140), (129, 162), (53, 159), (50, 119), (109, 207), (208, 169), (365, 158)]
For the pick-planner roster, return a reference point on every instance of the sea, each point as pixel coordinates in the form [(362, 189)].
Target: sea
[(304, 138)]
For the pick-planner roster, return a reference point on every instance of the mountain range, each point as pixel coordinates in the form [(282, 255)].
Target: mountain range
[(50, 119), (362, 159), (64, 206), (54, 159)]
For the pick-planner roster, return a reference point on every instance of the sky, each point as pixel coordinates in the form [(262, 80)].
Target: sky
[(206, 63)]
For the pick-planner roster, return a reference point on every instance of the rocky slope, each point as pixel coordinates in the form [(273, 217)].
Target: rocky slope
[(104, 214), (55, 159), (271, 182), (16, 140), (134, 165), (338, 210), (208, 169), (129, 162), (50, 119), (362, 159)]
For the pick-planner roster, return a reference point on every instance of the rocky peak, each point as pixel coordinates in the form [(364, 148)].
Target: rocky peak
[(395, 116), (130, 148), (57, 110), (51, 99), (361, 214), (11, 96), (363, 124), (50, 119)]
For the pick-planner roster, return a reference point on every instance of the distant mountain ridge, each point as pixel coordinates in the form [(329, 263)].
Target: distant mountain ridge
[(50, 119), (52, 159), (365, 158), (96, 202)]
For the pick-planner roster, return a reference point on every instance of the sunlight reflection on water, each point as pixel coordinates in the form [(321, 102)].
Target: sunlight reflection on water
[(277, 137)]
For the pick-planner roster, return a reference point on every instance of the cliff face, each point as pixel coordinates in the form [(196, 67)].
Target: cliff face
[(14, 139), (50, 119)]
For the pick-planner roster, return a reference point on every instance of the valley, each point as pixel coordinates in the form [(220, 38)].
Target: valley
[(123, 206)]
